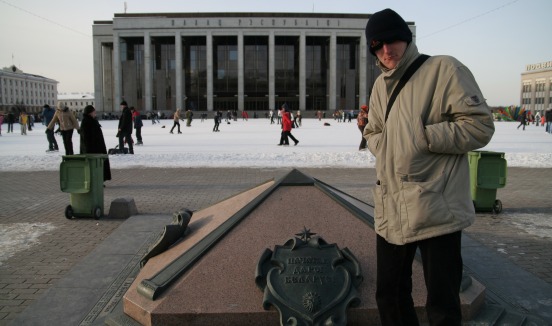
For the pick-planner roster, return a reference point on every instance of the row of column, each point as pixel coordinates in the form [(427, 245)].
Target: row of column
[(180, 82)]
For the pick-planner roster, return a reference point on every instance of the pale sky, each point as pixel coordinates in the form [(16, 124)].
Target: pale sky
[(495, 39)]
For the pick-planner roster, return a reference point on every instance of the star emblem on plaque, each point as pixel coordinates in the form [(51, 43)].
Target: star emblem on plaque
[(309, 281)]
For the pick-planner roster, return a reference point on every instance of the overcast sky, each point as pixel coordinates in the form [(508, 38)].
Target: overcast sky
[(496, 39)]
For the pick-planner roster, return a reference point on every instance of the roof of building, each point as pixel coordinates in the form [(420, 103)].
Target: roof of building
[(75, 96), (13, 71)]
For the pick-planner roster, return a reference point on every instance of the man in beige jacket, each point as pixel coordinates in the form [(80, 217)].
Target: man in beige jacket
[(422, 196), (67, 123)]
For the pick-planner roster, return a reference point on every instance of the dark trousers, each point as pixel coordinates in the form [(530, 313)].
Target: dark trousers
[(363, 141), (52, 143), (291, 136), (176, 123), (521, 124), (216, 127), (139, 134), (442, 263), (10, 126), (284, 140), (128, 138), (67, 136)]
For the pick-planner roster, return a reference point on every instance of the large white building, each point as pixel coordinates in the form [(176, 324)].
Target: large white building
[(22, 91), (536, 87), (76, 101), (233, 61)]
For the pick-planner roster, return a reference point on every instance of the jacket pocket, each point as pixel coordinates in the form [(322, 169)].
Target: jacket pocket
[(379, 221), (425, 204)]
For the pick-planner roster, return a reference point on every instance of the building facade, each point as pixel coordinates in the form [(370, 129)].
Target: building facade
[(536, 87), (76, 101), (21, 91), (233, 61)]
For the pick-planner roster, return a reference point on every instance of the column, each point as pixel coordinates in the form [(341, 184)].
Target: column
[(241, 94), (302, 72), (178, 58), (116, 71), (98, 76), (209, 71), (362, 96), (271, 73), (332, 103), (107, 88), (148, 78)]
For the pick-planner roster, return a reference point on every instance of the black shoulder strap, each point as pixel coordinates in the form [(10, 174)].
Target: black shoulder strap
[(404, 79)]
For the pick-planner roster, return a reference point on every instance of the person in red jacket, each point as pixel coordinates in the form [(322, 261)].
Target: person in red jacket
[(286, 127)]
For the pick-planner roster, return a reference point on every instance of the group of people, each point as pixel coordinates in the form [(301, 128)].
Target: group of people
[(25, 120), (343, 115), (177, 118), (545, 120), (91, 135)]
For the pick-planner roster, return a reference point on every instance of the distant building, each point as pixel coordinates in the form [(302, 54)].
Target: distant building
[(76, 101), (24, 91), (536, 87), (233, 61)]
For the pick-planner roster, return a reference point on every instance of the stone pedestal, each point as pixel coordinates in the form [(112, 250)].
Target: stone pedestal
[(216, 260)]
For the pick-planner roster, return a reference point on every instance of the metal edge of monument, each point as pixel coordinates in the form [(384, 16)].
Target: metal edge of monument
[(309, 281)]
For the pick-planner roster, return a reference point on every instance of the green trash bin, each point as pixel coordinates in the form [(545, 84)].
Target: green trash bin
[(487, 174), (82, 177)]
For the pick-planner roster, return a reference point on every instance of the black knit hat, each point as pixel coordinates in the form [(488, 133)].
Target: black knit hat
[(89, 109), (386, 26), (124, 103)]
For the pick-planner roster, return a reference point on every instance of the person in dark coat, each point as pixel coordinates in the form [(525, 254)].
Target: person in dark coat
[(91, 138), (125, 129), (48, 114), (10, 121)]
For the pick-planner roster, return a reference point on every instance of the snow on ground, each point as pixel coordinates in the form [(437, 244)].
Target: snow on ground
[(251, 144), (248, 144), (20, 236)]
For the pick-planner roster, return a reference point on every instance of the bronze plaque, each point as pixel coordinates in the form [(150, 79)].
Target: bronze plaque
[(309, 281)]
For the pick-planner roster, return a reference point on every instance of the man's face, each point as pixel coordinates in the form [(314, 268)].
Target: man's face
[(390, 54)]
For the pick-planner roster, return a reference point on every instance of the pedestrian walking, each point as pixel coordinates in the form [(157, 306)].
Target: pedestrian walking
[(48, 114), (189, 115), (10, 120), (537, 119), (137, 119), (67, 123), (217, 118), (23, 121), (548, 120), (125, 129), (286, 127), (176, 119), (523, 120)]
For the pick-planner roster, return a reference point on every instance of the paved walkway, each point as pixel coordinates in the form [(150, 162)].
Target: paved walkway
[(34, 198)]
